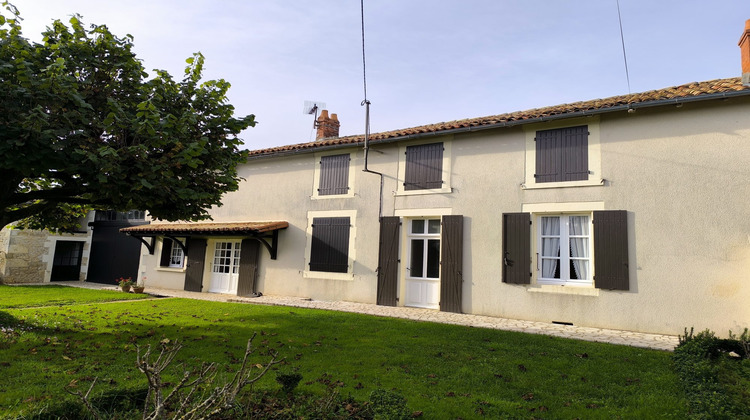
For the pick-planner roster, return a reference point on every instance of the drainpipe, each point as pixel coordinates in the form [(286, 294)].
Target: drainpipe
[(366, 104)]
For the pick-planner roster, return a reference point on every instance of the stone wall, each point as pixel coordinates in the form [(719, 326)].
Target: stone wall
[(4, 241), (26, 256)]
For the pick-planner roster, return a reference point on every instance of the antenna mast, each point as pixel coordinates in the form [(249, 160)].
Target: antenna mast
[(312, 108)]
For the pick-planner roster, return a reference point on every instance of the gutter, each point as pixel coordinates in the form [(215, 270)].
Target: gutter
[(506, 124)]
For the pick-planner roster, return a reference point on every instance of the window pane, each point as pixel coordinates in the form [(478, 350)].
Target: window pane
[(417, 226), (550, 268), (433, 226), (433, 258), (579, 225), (550, 226), (550, 247), (579, 269), (417, 258)]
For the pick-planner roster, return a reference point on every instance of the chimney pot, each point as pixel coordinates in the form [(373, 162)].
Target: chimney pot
[(327, 126), (745, 54)]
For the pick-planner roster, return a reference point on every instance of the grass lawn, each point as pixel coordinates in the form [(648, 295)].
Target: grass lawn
[(445, 371), (54, 295)]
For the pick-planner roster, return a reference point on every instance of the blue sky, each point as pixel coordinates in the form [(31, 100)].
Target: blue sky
[(427, 61)]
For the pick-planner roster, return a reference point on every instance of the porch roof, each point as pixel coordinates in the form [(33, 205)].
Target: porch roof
[(266, 232), (205, 228)]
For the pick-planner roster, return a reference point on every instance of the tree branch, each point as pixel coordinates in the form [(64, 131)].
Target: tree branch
[(54, 194)]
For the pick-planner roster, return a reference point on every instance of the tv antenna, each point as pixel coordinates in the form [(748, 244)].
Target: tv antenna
[(312, 108)]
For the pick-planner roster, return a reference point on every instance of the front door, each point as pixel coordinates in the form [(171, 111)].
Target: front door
[(196, 253), (423, 269), (225, 267)]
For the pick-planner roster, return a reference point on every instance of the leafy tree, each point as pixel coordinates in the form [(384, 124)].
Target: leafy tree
[(82, 127)]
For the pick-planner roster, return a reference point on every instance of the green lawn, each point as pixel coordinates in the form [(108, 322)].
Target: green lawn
[(54, 295), (445, 371)]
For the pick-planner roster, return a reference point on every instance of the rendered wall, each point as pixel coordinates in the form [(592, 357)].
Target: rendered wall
[(680, 173)]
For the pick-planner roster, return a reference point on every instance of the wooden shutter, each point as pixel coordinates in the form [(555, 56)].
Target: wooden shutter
[(196, 255), (166, 252), (517, 248), (334, 175), (329, 250), (451, 264), (575, 153), (248, 274), (562, 154), (424, 167), (388, 261), (611, 250)]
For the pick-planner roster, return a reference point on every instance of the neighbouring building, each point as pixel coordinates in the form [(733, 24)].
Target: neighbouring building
[(37, 256), (97, 252), (630, 212)]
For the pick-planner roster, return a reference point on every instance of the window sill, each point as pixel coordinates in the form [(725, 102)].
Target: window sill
[(564, 290), (446, 190), (328, 197), (171, 269), (541, 185), (327, 276)]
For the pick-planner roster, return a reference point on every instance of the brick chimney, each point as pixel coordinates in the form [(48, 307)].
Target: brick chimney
[(745, 51), (327, 126)]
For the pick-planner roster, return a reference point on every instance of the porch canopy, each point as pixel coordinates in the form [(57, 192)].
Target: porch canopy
[(265, 232)]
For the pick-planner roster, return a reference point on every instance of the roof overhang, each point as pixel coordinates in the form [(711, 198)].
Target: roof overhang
[(265, 232)]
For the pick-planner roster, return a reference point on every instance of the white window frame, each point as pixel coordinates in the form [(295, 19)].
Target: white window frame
[(446, 170), (564, 251), (349, 275), (538, 210), (425, 237), (594, 153), (317, 173), (176, 249)]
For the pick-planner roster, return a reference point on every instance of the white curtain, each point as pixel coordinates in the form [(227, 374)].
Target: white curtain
[(550, 246), (579, 226)]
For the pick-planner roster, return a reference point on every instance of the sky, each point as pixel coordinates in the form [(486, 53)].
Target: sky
[(427, 61)]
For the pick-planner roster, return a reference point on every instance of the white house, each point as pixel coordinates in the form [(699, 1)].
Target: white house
[(630, 212)]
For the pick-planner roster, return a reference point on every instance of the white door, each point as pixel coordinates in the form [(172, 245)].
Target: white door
[(225, 267), (423, 270)]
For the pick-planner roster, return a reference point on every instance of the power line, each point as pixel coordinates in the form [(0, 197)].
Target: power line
[(622, 39)]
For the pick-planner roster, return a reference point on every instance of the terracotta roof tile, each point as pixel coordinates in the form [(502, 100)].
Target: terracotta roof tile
[(676, 93), (207, 227)]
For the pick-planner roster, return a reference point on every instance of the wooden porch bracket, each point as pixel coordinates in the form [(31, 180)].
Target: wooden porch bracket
[(149, 245), (273, 246)]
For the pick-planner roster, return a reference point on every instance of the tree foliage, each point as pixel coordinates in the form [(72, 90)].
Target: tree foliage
[(82, 126)]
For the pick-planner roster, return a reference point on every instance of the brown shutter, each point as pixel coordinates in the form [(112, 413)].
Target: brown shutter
[(562, 154), (388, 261), (547, 156), (424, 167), (575, 153), (451, 275), (334, 175), (196, 255), (248, 274), (516, 248), (166, 252), (329, 249), (611, 250)]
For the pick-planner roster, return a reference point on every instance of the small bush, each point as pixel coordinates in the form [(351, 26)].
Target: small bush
[(288, 381), (710, 376)]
